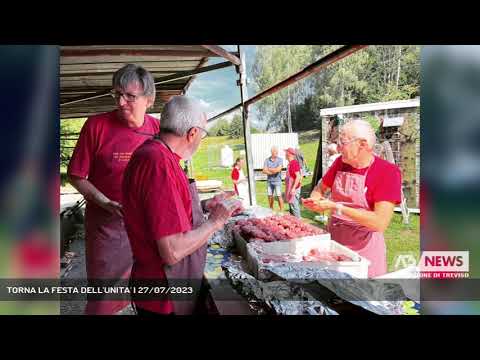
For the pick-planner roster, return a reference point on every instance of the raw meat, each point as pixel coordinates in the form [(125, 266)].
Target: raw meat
[(328, 256), (275, 228)]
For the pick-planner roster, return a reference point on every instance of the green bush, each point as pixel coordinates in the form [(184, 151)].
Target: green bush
[(236, 128), (221, 128), (374, 121)]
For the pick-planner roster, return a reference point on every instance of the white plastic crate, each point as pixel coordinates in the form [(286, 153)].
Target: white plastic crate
[(299, 246), (358, 268), (294, 246)]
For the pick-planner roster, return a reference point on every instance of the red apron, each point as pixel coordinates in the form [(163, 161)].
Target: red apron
[(108, 255), (191, 268), (288, 187), (350, 190)]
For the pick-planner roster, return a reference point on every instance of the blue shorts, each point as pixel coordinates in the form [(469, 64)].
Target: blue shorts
[(274, 189)]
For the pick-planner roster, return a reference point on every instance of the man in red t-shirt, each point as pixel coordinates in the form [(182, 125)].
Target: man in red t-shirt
[(163, 215), (293, 182), (364, 191), (96, 169)]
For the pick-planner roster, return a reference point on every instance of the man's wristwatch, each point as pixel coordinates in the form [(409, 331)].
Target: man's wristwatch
[(339, 208)]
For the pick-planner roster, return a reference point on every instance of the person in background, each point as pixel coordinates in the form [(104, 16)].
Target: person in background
[(293, 182), (240, 182), (333, 154), (273, 169), (303, 163), (364, 191), (96, 170)]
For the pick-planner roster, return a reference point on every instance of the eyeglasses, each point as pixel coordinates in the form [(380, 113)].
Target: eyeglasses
[(128, 97), (205, 132), (342, 143)]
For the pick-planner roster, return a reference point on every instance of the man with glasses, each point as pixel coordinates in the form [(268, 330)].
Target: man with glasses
[(164, 218), (364, 191), (96, 169)]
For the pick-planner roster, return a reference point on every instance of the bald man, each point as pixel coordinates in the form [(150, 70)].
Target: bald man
[(364, 191)]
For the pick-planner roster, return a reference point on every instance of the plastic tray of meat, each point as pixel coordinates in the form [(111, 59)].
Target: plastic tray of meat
[(313, 253), (275, 228), (281, 232)]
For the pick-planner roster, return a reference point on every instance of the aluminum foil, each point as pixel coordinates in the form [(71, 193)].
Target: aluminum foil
[(360, 293), (224, 236), (282, 297)]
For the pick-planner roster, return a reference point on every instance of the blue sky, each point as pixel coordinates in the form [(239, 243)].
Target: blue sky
[(218, 89)]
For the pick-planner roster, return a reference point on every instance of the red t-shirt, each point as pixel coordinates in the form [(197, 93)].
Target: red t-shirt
[(235, 176), (104, 149), (156, 203), (383, 182), (293, 167)]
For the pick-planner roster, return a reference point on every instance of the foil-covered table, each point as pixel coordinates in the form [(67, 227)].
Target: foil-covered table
[(284, 294)]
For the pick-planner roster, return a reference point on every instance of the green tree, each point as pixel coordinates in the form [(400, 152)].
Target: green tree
[(374, 74), (69, 132), (393, 72), (305, 116), (236, 127), (342, 83), (221, 128), (254, 130), (273, 64)]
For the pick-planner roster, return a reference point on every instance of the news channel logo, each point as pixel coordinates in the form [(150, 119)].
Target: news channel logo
[(435, 264)]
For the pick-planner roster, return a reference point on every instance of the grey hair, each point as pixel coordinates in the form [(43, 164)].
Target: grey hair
[(181, 114), (274, 147), (362, 130), (132, 73)]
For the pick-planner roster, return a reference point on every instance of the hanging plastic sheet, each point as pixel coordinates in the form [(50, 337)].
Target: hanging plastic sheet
[(379, 297), (282, 297)]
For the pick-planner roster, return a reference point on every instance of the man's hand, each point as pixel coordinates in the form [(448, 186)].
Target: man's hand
[(277, 170), (225, 195), (316, 195), (113, 207), (222, 211), (91, 193), (319, 205), (210, 204)]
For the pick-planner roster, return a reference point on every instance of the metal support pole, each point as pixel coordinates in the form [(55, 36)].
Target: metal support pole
[(289, 119), (318, 170), (226, 112), (246, 128)]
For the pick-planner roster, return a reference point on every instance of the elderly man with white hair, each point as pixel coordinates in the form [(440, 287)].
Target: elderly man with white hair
[(163, 215), (364, 191)]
